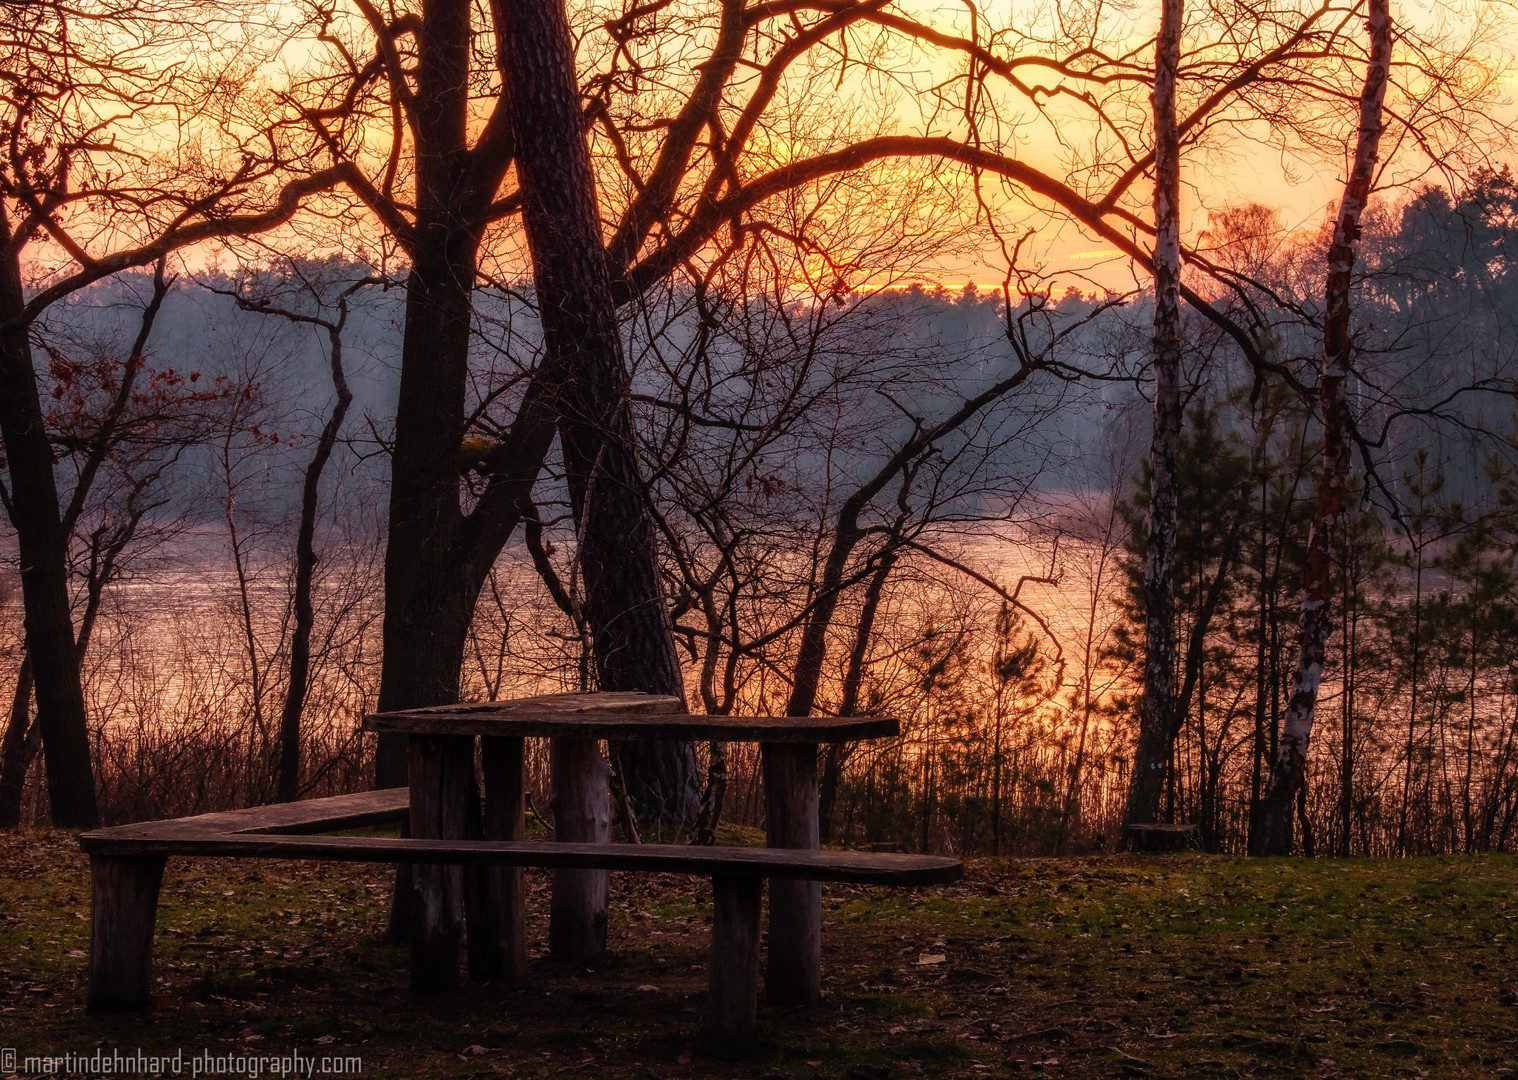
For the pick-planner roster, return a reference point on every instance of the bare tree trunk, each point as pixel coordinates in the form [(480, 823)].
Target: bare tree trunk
[(1262, 686), (258, 734), (18, 748), (436, 558), (1156, 718), (633, 637), (837, 754), (1316, 621), (42, 544), (1350, 659), (1072, 806), (305, 567), (1412, 706), (430, 584), (22, 738)]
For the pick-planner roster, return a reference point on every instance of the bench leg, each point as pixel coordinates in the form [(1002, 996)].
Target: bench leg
[(582, 815), (793, 975), (733, 966), (496, 901), (398, 928), (442, 786), (124, 906)]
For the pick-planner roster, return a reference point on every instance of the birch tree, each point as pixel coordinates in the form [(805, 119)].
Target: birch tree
[(1157, 706), (1274, 837)]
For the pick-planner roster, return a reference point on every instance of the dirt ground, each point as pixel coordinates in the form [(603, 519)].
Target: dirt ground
[(1100, 967)]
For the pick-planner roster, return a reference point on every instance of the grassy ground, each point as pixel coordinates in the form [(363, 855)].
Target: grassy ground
[(1173, 966)]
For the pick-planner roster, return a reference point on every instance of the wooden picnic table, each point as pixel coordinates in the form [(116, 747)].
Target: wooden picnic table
[(444, 806)]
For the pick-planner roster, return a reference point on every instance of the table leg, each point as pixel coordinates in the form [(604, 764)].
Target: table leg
[(502, 916), (582, 814), (793, 973), (441, 774)]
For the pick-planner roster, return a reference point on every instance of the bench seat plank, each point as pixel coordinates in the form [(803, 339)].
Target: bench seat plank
[(485, 720), (881, 868), (382, 807)]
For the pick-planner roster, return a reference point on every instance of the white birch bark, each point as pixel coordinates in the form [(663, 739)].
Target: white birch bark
[(1274, 836), (1152, 753)]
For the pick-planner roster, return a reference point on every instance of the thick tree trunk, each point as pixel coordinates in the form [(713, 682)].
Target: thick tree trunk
[(632, 636), (1156, 718), (429, 590), (1316, 622), (42, 544), (429, 596)]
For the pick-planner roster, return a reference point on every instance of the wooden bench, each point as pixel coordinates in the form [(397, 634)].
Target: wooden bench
[(127, 862)]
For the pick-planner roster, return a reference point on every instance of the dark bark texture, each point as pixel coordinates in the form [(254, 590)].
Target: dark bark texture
[(632, 635), (434, 566)]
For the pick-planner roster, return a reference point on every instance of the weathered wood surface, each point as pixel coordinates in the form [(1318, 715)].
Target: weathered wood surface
[(481, 720), (581, 815), (443, 802), (382, 807), (123, 908), (732, 966), (793, 973), (482, 901), (551, 706), (864, 867), (501, 762)]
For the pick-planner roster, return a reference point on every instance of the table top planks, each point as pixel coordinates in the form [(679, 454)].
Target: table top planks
[(623, 716), (599, 704)]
